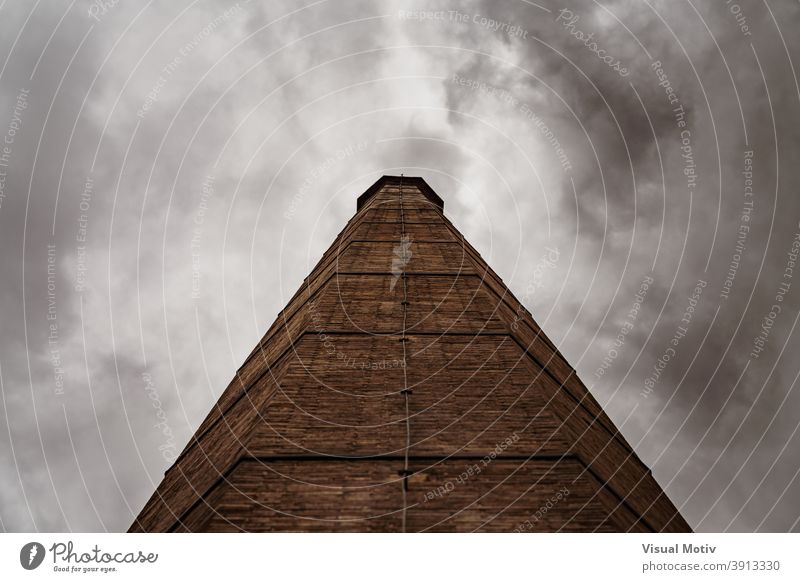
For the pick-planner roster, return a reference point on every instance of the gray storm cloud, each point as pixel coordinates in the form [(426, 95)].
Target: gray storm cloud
[(171, 172)]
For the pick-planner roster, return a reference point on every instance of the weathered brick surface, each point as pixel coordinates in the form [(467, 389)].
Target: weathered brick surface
[(385, 359)]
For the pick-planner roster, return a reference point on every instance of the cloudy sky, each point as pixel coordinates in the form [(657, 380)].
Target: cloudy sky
[(170, 171)]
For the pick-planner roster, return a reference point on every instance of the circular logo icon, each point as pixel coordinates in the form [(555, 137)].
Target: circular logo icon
[(31, 555)]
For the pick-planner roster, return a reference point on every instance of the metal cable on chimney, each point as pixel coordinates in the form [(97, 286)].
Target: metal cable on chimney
[(403, 341)]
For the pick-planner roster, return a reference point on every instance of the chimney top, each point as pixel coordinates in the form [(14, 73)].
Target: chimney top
[(417, 181)]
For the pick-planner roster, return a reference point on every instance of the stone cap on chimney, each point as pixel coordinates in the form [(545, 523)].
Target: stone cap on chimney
[(417, 181)]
